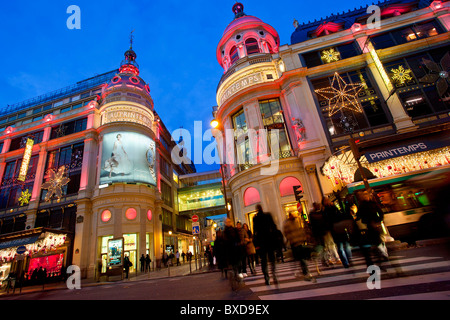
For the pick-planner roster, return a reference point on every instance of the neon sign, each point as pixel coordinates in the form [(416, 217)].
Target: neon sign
[(26, 160)]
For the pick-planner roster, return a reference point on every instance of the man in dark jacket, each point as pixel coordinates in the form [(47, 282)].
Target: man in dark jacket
[(265, 241)]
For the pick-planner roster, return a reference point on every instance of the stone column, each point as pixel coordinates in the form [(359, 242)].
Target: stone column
[(40, 172), (83, 252), (316, 193), (87, 181)]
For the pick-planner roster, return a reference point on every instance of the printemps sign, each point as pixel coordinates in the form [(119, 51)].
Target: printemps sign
[(127, 113)]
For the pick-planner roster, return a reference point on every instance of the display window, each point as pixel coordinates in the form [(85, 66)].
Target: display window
[(51, 264)]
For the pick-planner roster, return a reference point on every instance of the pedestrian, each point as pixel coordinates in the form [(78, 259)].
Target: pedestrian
[(298, 239), (250, 248), (183, 255), (126, 265), (147, 263), (231, 247), (219, 251), (318, 228), (264, 239), (142, 260), (177, 255), (242, 250), (371, 216), (280, 245), (329, 211), (343, 229)]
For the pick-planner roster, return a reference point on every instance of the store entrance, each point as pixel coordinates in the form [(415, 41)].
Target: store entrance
[(132, 256)]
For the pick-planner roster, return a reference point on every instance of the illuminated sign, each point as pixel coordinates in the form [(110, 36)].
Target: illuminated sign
[(26, 160), (124, 113), (241, 84), (379, 65), (115, 252)]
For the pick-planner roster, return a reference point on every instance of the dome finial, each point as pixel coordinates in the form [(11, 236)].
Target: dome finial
[(131, 40), (238, 9)]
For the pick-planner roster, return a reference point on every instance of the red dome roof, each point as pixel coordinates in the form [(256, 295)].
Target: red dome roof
[(241, 21)]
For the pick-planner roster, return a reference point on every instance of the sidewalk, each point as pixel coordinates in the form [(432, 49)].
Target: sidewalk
[(166, 272)]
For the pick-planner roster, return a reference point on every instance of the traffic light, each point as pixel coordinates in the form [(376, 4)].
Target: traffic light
[(298, 190), (354, 148)]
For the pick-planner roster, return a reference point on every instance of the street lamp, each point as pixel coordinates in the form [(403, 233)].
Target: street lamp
[(214, 123)]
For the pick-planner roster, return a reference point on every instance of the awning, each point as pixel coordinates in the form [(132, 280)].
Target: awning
[(18, 242), (406, 147), (392, 179)]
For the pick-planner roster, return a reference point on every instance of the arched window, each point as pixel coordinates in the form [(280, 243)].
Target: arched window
[(251, 196), (251, 45), (287, 186), (234, 55)]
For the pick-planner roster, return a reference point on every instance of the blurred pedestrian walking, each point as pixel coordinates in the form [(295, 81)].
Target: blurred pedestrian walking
[(242, 249), (250, 247), (265, 242), (298, 239), (329, 211)]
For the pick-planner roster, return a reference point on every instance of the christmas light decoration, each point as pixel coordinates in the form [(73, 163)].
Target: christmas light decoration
[(438, 74), (49, 242), (340, 169), (55, 183), (330, 55), (24, 198), (341, 95), (401, 75)]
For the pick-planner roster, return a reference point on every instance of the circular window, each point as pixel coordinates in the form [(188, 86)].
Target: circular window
[(149, 215), (238, 37), (106, 215), (131, 214), (115, 79), (134, 80)]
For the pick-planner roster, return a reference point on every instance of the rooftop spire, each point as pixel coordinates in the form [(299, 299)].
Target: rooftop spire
[(129, 65)]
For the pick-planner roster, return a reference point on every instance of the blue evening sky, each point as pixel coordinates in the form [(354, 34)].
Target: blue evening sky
[(175, 42)]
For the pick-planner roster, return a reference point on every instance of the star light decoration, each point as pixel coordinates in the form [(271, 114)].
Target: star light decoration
[(330, 55), (401, 75), (55, 183), (344, 94), (24, 198), (438, 74)]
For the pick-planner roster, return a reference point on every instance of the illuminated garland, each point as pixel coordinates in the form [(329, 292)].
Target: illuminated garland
[(51, 242), (341, 174)]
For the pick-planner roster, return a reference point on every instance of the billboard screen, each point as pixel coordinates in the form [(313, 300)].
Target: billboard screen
[(128, 157), (115, 252)]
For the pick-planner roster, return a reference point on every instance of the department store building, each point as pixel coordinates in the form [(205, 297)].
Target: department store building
[(84, 165), (339, 78)]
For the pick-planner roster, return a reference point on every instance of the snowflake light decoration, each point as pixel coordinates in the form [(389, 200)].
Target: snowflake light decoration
[(341, 95), (55, 183), (24, 198), (401, 75), (330, 55)]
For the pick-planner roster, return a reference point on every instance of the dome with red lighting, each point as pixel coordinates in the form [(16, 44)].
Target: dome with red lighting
[(244, 36)]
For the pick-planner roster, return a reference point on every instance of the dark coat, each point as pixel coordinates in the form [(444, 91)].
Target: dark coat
[(264, 231)]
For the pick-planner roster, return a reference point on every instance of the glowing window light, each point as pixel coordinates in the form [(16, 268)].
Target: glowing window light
[(106, 215), (131, 214)]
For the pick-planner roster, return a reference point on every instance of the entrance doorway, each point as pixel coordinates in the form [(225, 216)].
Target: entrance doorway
[(132, 256)]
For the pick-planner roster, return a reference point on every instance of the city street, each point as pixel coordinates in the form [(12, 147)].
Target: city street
[(421, 273)]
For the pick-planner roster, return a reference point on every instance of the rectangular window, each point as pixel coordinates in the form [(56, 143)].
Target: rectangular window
[(166, 193), (407, 34), (273, 119)]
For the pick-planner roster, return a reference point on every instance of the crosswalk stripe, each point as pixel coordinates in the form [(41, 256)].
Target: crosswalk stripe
[(437, 295), (350, 276), (362, 286), (287, 273)]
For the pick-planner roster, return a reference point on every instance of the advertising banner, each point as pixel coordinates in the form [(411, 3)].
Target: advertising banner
[(115, 252), (128, 157)]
